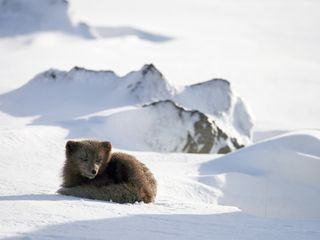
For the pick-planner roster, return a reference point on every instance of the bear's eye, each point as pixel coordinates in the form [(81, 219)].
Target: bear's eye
[(99, 160), (85, 157)]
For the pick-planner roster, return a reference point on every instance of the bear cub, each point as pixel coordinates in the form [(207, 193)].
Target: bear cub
[(92, 171)]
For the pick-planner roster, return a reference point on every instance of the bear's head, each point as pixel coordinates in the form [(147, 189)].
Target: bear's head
[(88, 157)]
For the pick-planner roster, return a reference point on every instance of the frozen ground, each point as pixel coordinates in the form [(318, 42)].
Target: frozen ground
[(269, 52)]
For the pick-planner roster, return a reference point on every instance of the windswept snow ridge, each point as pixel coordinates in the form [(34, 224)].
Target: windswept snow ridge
[(275, 178), (216, 98), (163, 127), (164, 119), (148, 84)]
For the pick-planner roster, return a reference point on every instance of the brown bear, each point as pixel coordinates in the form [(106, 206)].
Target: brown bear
[(92, 171)]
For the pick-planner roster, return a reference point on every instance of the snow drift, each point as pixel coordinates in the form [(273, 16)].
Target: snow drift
[(275, 178), (174, 120), (19, 17), (22, 17), (189, 201)]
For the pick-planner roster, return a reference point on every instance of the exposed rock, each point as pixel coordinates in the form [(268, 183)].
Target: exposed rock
[(166, 127), (216, 99), (148, 84), (201, 118)]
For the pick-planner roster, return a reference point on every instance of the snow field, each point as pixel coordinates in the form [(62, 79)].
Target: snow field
[(267, 50)]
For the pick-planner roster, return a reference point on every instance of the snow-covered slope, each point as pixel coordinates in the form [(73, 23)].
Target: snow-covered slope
[(18, 17), (58, 95), (216, 98), (21, 17), (277, 178), (161, 126), (215, 121), (268, 50), (148, 84)]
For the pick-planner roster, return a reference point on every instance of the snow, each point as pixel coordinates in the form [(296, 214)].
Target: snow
[(199, 195), (275, 178), (226, 118), (267, 50), (216, 98), (162, 127), (22, 17)]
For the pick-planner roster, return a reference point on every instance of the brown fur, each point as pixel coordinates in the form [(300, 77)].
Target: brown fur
[(119, 177)]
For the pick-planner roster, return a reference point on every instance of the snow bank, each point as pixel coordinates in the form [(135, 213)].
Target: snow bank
[(275, 178), (22, 17), (214, 121), (163, 127), (186, 207), (19, 17)]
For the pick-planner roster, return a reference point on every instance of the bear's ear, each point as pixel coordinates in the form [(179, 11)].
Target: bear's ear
[(106, 145), (71, 146)]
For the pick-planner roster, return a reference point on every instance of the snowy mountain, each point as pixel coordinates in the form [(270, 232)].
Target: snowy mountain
[(161, 125)]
